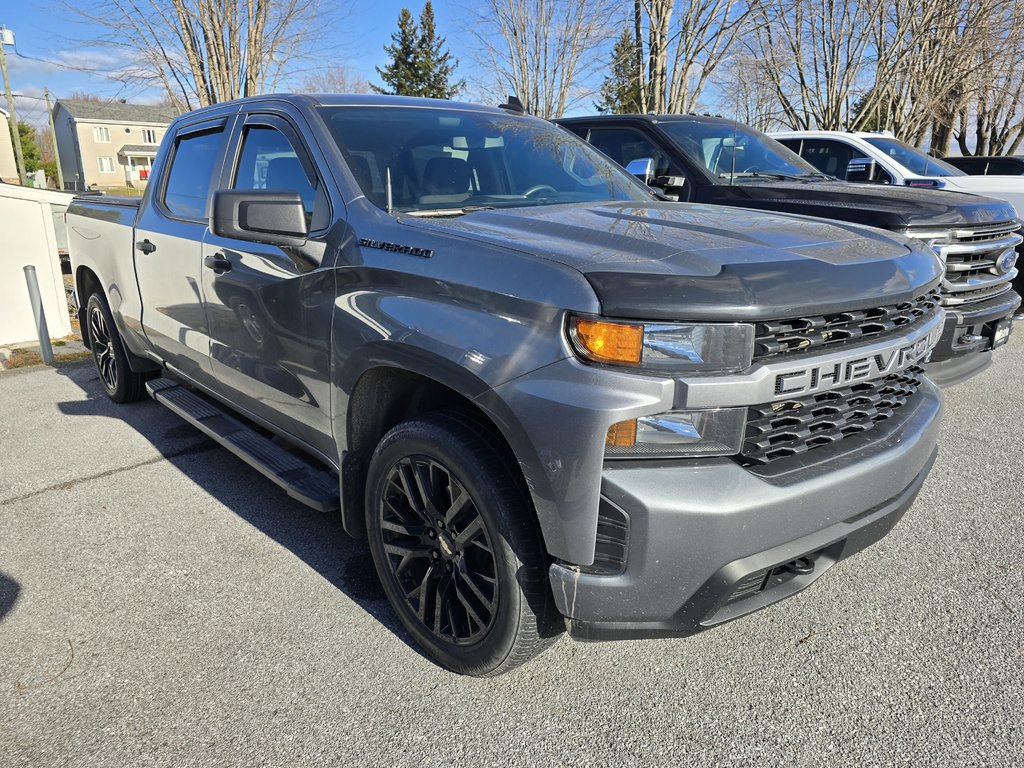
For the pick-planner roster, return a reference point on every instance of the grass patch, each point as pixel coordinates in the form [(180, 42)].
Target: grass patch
[(26, 358)]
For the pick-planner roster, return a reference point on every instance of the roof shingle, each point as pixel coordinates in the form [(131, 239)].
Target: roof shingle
[(118, 112)]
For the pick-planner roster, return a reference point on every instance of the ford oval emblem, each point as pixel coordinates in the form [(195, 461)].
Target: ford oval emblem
[(1004, 262)]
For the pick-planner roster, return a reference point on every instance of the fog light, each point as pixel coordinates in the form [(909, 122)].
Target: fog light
[(676, 434)]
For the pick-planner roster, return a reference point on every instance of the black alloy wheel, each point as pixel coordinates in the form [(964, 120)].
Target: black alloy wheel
[(102, 348), (438, 550), (120, 382), (456, 544)]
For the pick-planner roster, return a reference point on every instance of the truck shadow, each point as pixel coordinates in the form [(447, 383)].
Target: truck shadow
[(315, 538), (9, 591)]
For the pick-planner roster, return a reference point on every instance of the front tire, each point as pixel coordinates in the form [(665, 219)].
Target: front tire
[(455, 542), (121, 383)]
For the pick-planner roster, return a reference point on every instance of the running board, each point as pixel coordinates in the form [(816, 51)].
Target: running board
[(302, 481)]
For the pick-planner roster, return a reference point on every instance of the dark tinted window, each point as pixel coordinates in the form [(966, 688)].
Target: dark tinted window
[(831, 157), (1004, 167), (624, 145), (188, 183), (269, 161)]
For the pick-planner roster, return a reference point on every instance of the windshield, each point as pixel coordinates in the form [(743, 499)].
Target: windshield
[(450, 160), (731, 150), (914, 160)]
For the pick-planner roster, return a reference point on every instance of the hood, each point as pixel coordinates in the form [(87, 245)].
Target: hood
[(1007, 188), (888, 207), (663, 261)]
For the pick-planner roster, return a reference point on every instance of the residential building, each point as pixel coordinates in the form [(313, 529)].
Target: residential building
[(8, 165), (108, 144)]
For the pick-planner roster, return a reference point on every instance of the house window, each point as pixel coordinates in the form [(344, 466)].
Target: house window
[(101, 134), (148, 136), (106, 164)]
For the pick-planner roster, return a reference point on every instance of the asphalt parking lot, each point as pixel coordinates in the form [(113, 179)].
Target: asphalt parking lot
[(161, 604)]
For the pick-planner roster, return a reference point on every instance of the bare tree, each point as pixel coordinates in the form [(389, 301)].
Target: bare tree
[(684, 47), (817, 55), (540, 50), (205, 51), (336, 79)]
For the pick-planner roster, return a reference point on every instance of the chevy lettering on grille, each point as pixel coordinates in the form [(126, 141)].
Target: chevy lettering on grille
[(788, 378), (818, 378)]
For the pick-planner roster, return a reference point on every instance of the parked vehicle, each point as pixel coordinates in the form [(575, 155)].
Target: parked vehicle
[(706, 159), (546, 398), (988, 165)]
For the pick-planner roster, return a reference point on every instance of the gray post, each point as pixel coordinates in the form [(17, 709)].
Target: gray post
[(37, 309)]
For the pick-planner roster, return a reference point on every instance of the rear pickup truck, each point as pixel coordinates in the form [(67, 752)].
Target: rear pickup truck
[(704, 159), (547, 399)]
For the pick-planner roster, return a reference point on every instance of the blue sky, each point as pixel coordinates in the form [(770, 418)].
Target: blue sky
[(45, 30)]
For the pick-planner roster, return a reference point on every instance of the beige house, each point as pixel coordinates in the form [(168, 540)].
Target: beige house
[(104, 145), (8, 165)]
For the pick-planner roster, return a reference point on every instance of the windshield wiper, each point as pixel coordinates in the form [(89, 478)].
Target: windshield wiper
[(441, 212)]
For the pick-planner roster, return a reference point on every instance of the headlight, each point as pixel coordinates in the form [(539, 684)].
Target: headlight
[(665, 347), (677, 434)]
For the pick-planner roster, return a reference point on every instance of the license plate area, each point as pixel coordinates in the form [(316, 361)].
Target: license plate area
[(1000, 331)]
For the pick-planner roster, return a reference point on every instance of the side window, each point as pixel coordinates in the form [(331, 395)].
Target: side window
[(269, 161), (188, 182), (624, 145), (1001, 168), (831, 157)]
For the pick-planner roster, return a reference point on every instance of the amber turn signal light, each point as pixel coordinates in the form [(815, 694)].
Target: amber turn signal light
[(622, 434), (605, 342)]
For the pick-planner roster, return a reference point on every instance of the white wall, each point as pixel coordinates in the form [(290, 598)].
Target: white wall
[(28, 236)]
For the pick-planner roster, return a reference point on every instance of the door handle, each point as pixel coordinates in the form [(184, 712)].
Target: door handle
[(218, 263), (145, 246)]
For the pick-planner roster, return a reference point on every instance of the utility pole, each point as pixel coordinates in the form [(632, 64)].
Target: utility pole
[(53, 138), (7, 38)]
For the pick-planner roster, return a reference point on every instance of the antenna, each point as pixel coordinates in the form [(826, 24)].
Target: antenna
[(513, 105), (387, 189)]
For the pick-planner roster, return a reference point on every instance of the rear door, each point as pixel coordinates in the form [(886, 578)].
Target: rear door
[(168, 242), (270, 307)]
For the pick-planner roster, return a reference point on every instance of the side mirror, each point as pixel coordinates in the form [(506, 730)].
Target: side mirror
[(642, 168), (260, 216), (862, 170)]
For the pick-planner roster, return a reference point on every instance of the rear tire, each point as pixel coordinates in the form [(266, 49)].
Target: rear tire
[(121, 383), (455, 541)]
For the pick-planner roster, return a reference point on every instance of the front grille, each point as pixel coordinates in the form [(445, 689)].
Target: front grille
[(802, 334), (778, 430), (970, 256)]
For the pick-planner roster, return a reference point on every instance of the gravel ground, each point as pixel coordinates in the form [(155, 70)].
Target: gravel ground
[(161, 604)]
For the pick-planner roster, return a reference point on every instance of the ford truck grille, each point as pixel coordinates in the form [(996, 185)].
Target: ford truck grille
[(971, 256), (778, 430), (803, 334)]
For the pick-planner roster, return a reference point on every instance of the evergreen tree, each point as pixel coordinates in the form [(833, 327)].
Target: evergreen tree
[(29, 148), (420, 65), (620, 91)]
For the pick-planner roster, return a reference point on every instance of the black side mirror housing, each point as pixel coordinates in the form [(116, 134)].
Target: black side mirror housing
[(862, 170), (260, 216)]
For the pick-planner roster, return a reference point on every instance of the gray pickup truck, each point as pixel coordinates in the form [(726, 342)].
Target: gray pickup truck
[(547, 399)]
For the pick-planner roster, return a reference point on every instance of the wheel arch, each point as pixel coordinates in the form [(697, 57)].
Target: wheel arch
[(409, 382)]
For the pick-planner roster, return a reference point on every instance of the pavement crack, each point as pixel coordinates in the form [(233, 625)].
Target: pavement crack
[(200, 447)]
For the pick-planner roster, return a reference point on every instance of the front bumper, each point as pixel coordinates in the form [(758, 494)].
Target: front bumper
[(709, 541), (954, 360)]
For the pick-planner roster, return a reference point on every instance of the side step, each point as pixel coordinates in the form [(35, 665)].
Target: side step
[(302, 481)]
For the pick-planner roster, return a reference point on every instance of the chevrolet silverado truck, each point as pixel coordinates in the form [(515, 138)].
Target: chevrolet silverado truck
[(714, 160), (547, 399)]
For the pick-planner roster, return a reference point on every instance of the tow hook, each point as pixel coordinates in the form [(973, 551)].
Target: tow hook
[(800, 567), (971, 338)]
